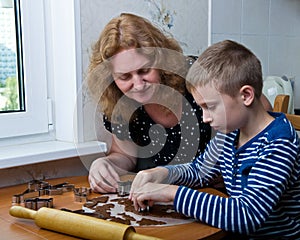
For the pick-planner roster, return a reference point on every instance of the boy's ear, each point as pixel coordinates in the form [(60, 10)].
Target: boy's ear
[(247, 94)]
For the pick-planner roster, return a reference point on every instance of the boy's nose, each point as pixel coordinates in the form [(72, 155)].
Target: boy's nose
[(206, 116)]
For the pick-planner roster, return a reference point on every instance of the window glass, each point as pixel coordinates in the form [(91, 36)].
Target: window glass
[(11, 77)]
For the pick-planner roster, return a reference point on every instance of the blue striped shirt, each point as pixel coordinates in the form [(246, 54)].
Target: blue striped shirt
[(261, 179)]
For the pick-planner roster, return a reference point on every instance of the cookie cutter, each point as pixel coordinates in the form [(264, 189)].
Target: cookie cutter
[(81, 193), (20, 198), (37, 203), (59, 189), (36, 188), (36, 185), (32, 191), (124, 188), (146, 209)]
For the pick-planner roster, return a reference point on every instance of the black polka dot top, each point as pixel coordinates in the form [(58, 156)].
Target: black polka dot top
[(158, 145)]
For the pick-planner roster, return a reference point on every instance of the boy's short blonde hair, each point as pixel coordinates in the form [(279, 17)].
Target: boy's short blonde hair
[(228, 66)]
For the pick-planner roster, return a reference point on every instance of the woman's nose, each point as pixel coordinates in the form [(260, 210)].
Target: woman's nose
[(138, 81)]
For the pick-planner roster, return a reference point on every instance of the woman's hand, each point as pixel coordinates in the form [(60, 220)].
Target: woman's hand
[(150, 193), (105, 172), (103, 176)]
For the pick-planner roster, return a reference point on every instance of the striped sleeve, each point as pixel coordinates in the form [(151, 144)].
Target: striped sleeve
[(271, 176), (201, 171)]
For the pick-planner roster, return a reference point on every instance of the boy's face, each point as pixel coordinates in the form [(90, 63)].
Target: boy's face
[(223, 112)]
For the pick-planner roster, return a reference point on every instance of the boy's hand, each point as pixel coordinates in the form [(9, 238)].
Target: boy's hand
[(151, 193), (154, 175), (147, 187)]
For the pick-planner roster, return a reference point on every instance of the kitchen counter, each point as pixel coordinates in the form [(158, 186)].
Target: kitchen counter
[(17, 228)]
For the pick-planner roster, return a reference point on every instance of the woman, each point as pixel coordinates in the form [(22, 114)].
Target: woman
[(137, 75)]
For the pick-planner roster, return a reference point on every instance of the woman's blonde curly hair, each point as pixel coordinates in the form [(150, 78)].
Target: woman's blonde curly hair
[(129, 31)]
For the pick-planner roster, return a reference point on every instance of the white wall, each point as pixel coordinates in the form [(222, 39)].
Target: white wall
[(270, 28), (188, 20)]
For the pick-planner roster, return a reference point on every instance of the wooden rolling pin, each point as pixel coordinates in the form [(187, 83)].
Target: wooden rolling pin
[(78, 225)]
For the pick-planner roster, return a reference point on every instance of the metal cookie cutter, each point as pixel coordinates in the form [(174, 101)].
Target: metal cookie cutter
[(37, 203), (59, 189), (146, 209), (81, 194), (30, 197), (36, 185), (124, 188), (36, 188), (20, 198), (32, 191)]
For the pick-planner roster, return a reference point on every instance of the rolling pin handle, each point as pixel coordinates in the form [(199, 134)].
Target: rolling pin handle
[(21, 212), (132, 235)]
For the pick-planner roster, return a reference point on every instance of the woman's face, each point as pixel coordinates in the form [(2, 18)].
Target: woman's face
[(134, 76)]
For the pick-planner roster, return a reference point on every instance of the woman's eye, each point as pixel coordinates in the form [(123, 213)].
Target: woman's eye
[(125, 76), (144, 70)]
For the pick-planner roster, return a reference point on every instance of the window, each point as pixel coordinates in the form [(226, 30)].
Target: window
[(51, 54), (23, 78), (51, 44), (11, 76)]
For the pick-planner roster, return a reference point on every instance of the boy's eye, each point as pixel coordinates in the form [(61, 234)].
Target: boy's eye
[(207, 107), (211, 107)]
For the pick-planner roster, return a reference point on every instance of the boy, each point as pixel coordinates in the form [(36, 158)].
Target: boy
[(257, 153)]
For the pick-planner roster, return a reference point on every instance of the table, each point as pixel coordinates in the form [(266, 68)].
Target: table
[(17, 228)]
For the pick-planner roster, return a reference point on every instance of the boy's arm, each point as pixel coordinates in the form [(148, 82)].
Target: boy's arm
[(201, 171), (247, 210)]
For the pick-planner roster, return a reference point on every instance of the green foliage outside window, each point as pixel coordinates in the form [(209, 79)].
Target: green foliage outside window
[(11, 95)]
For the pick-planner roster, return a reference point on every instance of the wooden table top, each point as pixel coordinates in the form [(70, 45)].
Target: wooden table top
[(17, 228)]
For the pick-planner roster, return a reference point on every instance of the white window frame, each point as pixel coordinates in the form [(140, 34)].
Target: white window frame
[(62, 51), (35, 82)]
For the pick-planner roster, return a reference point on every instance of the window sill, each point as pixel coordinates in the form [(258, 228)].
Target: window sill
[(30, 153)]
